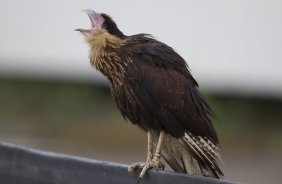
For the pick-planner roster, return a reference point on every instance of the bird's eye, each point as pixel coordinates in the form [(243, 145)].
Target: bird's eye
[(104, 25)]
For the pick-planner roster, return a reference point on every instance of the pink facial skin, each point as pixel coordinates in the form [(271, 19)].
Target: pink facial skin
[(96, 21)]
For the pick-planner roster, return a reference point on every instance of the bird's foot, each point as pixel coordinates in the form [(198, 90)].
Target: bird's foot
[(154, 163)]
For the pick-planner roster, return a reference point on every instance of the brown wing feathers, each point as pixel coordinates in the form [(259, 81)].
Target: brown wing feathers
[(170, 96)]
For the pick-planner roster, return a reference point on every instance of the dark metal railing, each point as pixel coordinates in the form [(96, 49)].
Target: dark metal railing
[(21, 165)]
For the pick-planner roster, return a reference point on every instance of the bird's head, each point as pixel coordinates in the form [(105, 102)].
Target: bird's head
[(100, 21)]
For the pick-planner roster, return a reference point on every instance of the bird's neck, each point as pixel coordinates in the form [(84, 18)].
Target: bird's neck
[(105, 55)]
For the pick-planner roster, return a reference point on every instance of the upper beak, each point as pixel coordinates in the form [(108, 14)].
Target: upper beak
[(92, 15)]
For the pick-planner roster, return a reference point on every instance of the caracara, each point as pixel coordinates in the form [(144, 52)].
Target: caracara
[(152, 87)]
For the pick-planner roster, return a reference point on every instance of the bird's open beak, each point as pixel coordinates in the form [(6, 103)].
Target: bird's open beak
[(96, 21), (91, 14)]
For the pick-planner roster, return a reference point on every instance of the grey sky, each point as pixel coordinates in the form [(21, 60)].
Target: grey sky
[(231, 45)]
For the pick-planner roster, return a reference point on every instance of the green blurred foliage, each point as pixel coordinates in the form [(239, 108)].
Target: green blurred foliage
[(53, 105)]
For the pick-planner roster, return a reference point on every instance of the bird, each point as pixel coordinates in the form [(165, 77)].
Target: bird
[(153, 88)]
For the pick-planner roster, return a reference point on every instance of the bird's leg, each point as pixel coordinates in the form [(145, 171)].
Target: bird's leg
[(149, 147), (155, 162), (137, 165)]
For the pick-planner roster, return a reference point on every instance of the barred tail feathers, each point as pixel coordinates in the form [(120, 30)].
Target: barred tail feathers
[(191, 154), (205, 152)]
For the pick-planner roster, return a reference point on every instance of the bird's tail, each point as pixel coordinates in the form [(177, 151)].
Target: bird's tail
[(193, 155)]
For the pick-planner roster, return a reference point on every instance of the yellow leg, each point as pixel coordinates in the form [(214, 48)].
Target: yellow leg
[(157, 154), (149, 147), (155, 162), (137, 165)]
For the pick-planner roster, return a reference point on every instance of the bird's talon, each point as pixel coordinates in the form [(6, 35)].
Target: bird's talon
[(136, 166), (161, 166), (145, 166)]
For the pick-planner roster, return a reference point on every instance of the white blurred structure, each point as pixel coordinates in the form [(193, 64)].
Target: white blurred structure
[(231, 46)]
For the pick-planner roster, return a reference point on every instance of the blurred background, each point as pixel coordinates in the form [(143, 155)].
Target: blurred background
[(51, 98)]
